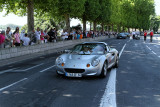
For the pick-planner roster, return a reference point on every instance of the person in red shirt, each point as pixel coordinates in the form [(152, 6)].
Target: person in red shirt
[(151, 36), (145, 35), (2, 39)]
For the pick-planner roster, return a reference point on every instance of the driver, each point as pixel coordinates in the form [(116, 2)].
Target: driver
[(86, 50)]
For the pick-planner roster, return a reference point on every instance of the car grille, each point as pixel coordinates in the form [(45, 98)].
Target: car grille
[(69, 70)]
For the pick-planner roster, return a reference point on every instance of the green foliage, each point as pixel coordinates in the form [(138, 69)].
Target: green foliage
[(53, 13)]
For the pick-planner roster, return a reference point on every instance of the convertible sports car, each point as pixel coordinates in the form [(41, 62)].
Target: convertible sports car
[(87, 59)]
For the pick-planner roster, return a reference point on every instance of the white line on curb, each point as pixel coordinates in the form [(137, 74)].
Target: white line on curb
[(109, 97), (47, 68), (1, 89), (122, 51), (30, 67)]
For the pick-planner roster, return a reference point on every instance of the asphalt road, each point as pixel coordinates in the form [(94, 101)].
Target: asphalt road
[(34, 83)]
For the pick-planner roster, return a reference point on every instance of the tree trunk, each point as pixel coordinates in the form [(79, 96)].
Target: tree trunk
[(84, 24), (118, 28), (123, 29), (30, 16), (90, 26), (102, 27), (112, 28), (67, 18), (128, 30), (95, 25)]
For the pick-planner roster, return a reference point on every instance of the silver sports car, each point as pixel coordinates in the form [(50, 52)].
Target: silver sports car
[(87, 59)]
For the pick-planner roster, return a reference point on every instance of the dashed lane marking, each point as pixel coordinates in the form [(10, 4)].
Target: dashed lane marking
[(30, 67), (154, 52), (148, 47), (1, 89), (2, 72), (122, 51), (47, 68)]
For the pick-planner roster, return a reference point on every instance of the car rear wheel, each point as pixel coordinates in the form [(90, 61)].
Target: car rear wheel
[(104, 70)]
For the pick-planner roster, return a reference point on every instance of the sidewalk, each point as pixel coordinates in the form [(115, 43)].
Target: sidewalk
[(12, 60)]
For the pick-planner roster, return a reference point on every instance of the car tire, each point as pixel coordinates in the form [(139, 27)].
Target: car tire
[(117, 62), (104, 70)]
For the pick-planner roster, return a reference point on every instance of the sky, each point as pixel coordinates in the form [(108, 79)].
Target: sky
[(13, 19)]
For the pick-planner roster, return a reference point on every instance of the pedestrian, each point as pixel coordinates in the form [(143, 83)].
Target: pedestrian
[(46, 36), (11, 35), (145, 35), (33, 38), (38, 35), (133, 34), (51, 35), (42, 36), (16, 37), (81, 35), (151, 36), (26, 40), (2, 39), (55, 35), (8, 39)]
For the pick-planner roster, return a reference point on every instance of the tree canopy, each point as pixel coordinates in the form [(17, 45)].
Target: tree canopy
[(123, 13)]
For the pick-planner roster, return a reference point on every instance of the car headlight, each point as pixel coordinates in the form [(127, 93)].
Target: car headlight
[(59, 60), (95, 62)]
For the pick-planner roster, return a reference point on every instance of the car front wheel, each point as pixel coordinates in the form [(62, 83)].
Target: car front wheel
[(104, 70), (117, 62)]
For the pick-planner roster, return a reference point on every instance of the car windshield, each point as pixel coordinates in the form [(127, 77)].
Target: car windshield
[(89, 49)]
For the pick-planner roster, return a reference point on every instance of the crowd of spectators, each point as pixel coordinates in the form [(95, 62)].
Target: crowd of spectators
[(40, 36)]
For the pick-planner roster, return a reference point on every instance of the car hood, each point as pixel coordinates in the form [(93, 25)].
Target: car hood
[(79, 61), (79, 57)]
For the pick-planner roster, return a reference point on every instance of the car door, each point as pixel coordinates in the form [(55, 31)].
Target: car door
[(112, 56)]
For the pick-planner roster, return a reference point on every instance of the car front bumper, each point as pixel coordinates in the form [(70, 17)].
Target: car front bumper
[(84, 71)]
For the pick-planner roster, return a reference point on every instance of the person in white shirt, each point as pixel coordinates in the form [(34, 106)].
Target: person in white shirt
[(26, 40), (133, 34), (38, 35), (22, 34)]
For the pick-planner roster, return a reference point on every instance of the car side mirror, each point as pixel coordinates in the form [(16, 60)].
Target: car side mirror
[(112, 52)]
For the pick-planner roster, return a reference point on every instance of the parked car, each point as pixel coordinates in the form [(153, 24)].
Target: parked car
[(128, 34), (121, 36), (87, 59)]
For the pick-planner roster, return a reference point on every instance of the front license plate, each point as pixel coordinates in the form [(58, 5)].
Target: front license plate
[(73, 75)]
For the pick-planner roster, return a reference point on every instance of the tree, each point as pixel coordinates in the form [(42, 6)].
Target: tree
[(69, 9), (92, 11)]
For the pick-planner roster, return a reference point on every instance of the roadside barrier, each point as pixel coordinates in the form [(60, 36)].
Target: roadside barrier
[(25, 50)]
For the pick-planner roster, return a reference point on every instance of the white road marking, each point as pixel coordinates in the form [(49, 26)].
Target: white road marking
[(129, 40), (148, 47), (47, 68), (122, 51), (151, 50), (30, 67), (154, 52), (1, 89), (109, 97), (2, 72)]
